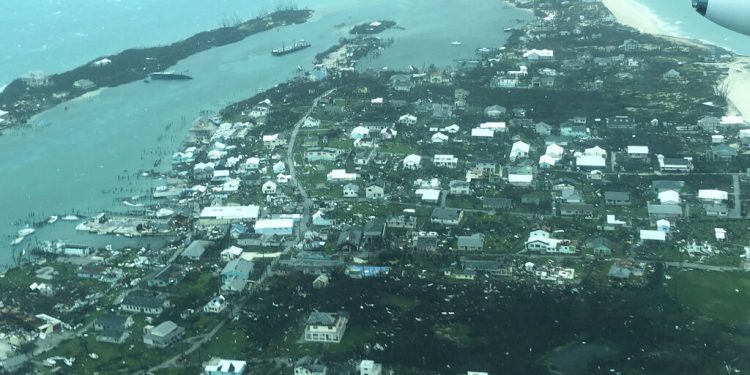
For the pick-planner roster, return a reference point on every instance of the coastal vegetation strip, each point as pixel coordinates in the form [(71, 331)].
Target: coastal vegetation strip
[(25, 97)]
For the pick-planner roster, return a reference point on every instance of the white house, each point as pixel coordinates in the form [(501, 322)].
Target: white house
[(412, 162), (439, 138), (368, 367), (520, 179), (279, 167), (326, 327), (269, 187), (539, 54), (407, 119), (542, 241), (359, 132), (663, 225), (595, 151), (252, 163), (311, 122), (216, 305), (451, 129), (482, 133), (590, 161), (428, 195), (282, 227), (339, 175), (218, 366), (519, 150), (447, 161), (653, 235), (555, 151), (546, 161), (712, 195), (638, 152), (273, 141), (319, 219), (351, 190), (669, 197)]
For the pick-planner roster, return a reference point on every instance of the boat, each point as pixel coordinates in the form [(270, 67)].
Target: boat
[(70, 218), (284, 50), (169, 76), (52, 219), (25, 232), (456, 43), (17, 241), (508, 29)]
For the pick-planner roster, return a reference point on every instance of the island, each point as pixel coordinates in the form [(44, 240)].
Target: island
[(27, 96)]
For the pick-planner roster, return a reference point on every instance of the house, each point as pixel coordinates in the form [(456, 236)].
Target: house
[(533, 55), (482, 133), (216, 305), (451, 129), (281, 227), (617, 198), (351, 190), (638, 152), (359, 132), (709, 123), (401, 82), (350, 239), (326, 327), (600, 246), (652, 235), (269, 188), (716, 209), (669, 197), (495, 126), (447, 161), (458, 187), (273, 140), (541, 241), (375, 190), (519, 150), (590, 161), (223, 215), (428, 243), (309, 366), (236, 275), (230, 253), (495, 111), (575, 131), (576, 209), (497, 203), (407, 120), (321, 282), (311, 122), (428, 195), (504, 82), (319, 219), (314, 154), (112, 328), (341, 175), (439, 138), (543, 128), (374, 230), (658, 186), (475, 242), (674, 164), (620, 122), (219, 366), (669, 212), (722, 152), (141, 302), (446, 216), (279, 167), (412, 162), (546, 162), (363, 157), (520, 178), (712, 196), (671, 75), (162, 335), (165, 276), (369, 367)]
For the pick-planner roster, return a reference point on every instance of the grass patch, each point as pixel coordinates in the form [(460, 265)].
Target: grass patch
[(720, 296)]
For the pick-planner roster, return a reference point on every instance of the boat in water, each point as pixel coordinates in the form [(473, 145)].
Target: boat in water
[(25, 232), (70, 218), (169, 76), (456, 43), (52, 219), (285, 50), (17, 241)]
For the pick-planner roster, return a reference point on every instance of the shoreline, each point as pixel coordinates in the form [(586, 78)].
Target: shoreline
[(638, 16)]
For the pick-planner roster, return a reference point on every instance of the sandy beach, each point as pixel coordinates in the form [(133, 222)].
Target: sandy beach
[(738, 82), (636, 15)]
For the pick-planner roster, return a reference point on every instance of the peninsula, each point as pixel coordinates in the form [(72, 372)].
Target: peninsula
[(27, 96)]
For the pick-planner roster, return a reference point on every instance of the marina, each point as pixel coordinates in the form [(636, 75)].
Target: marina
[(285, 50)]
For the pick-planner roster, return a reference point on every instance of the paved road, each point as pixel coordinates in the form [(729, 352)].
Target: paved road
[(704, 267), (307, 205), (736, 212)]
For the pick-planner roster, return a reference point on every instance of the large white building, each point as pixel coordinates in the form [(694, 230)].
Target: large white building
[(447, 161), (340, 175), (219, 366), (221, 215), (282, 227)]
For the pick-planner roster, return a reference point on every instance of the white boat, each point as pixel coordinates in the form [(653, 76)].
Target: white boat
[(132, 204), (52, 219), (70, 218), (25, 232), (456, 43), (17, 241)]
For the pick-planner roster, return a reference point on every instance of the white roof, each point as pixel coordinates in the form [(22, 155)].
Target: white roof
[(520, 178), (341, 174), (669, 196), (637, 149), (595, 151), (428, 194), (554, 150), (231, 212), (412, 159), (591, 161), (713, 194), (653, 235), (439, 137), (663, 223), (270, 138), (546, 159), (482, 132), (520, 146), (3, 113), (224, 366), (720, 233), (612, 220), (221, 173), (234, 250), (539, 52), (274, 223)]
